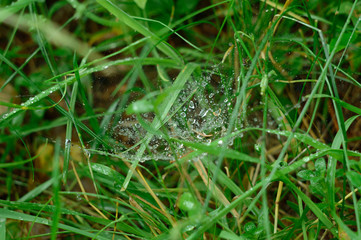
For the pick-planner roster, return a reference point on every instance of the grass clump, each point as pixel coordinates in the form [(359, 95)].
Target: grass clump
[(180, 119)]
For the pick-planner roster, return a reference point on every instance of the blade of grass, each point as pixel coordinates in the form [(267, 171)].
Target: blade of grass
[(56, 196), (301, 210), (69, 128), (37, 191), (2, 228)]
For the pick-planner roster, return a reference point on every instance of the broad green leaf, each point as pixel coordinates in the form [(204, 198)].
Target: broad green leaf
[(317, 186), (320, 166), (107, 171), (141, 3), (344, 40), (189, 204), (345, 7), (250, 227), (354, 178), (306, 174)]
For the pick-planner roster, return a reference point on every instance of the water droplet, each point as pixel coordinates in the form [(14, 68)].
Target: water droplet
[(67, 142), (78, 197), (191, 105), (189, 228), (257, 147), (203, 113)]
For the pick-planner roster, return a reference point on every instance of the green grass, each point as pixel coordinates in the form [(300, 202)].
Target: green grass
[(159, 119)]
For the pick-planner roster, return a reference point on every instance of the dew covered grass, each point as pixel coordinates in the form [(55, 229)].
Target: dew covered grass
[(160, 119)]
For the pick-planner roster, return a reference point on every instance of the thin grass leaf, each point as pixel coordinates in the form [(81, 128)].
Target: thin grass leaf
[(69, 124), (37, 190), (2, 228), (56, 188)]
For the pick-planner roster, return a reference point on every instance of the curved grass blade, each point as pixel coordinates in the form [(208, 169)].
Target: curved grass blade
[(13, 164)]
